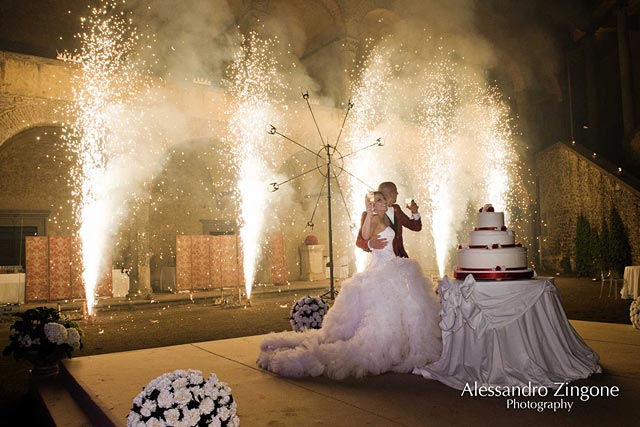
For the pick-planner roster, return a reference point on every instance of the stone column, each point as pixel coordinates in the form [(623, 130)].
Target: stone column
[(626, 78), (140, 274), (350, 46)]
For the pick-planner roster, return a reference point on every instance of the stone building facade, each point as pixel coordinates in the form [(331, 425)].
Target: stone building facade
[(328, 38), (190, 194), (573, 181)]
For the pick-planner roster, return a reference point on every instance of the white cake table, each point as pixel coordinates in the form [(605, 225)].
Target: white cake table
[(631, 283), (120, 282), (12, 288), (507, 333)]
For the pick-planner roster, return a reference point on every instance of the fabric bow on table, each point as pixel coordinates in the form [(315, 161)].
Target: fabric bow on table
[(458, 305)]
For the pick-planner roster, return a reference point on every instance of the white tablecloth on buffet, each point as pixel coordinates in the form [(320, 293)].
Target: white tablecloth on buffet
[(507, 333), (120, 282), (631, 282), (12, 288)]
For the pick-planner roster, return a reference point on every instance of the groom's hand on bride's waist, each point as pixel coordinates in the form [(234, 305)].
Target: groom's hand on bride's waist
[(377, 243)]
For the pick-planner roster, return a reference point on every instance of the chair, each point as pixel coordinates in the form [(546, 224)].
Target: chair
[(613, 279)]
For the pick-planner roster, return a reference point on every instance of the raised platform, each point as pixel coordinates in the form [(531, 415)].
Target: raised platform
[(106, 385)]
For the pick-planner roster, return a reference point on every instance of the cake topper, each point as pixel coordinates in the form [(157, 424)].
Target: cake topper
[(487, 208)]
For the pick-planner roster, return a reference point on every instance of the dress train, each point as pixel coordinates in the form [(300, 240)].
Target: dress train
[(384, 319)]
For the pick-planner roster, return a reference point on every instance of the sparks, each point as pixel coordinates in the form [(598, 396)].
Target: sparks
[(105, 79), (370, 91), (255, 81), (453, 126)]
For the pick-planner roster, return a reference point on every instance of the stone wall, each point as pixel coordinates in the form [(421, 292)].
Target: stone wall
[(191, 192), (32, 91), (573, 181)]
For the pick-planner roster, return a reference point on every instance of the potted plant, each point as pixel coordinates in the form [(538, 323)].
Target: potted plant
[(311, 240), (308, 313), (42, 338), (184, 398)]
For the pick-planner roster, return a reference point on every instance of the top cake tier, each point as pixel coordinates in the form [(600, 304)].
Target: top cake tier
[(490, 221)]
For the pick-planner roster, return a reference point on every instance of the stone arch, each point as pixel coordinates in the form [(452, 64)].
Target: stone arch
[(27, 113), (36, 165)]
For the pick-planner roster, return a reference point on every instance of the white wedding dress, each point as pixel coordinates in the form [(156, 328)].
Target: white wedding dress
[(384, 319)]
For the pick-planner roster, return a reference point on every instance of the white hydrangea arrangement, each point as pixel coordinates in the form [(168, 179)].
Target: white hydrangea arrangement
[(634, 313), (42, 336), (184, 398), (308, 313), (59, 334)]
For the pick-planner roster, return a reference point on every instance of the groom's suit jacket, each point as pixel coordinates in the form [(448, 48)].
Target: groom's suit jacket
[(401, 220)]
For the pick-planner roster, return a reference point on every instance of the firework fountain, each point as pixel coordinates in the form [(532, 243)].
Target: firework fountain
[(500, 173), (467, 136), (256, 89), (372, 87), (102, 132), (448, 137), (458, 139), (436, 117)]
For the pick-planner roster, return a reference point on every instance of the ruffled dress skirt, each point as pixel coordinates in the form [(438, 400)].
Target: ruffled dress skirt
[(385, 319)]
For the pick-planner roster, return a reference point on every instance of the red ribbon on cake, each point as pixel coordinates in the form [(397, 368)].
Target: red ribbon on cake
[(494, 275), (494, 246), (503, 228)]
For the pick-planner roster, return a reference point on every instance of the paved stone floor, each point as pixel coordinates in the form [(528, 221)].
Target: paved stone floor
[(183, 319), (386, 400)]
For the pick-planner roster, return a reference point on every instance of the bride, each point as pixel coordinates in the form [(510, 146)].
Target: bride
[(384, 319)]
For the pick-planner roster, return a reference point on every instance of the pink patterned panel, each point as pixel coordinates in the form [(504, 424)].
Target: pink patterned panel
[(240, 261), (183, 263), (277, 259), (229, 261), (77, 285), (59, 268), (214, 261), (230, 265), (200, 262), (37, 268)]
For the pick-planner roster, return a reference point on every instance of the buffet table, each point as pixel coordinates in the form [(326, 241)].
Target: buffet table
[(12, 288), (507, 333), (631, 282), (120, 283)]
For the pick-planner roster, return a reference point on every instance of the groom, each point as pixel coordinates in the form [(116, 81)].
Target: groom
[(398, 220)]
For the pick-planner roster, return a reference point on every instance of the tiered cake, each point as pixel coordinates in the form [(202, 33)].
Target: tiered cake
[(492, 252)]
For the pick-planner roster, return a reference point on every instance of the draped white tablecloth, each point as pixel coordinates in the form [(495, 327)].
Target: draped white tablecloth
[(120, 283), (507, 333), (631, 282), (12, 288)]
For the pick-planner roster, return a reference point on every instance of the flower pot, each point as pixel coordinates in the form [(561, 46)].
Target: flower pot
[(44, 371)]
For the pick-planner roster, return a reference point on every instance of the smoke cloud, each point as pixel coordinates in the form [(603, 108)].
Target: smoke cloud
[(454, 57)]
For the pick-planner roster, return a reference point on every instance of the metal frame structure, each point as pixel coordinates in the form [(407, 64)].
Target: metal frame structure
[(329, 162)]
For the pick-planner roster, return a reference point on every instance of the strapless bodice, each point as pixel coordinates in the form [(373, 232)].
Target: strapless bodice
[(382, 256)]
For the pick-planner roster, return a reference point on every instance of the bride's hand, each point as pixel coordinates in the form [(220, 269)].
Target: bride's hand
[(377, 242)]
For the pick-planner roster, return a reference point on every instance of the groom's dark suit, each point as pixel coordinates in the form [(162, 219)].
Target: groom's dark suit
[(400, 220)]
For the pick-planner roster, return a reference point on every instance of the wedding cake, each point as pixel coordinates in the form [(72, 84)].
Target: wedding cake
[(492, 252)]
